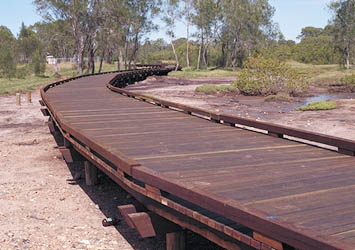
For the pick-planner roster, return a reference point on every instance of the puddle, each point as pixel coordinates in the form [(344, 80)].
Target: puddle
[(318, 98), (326, 97)]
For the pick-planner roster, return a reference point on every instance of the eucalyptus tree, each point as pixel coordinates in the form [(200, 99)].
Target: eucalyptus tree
[(245, 24), (205, 19), (344, 32), (187, 13), (128, 22), (77, 13), (28, 42), (172, 13), (7, 54), (56, 37)]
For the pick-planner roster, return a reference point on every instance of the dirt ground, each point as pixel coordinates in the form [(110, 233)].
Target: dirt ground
[(338, 122), (41, 207)]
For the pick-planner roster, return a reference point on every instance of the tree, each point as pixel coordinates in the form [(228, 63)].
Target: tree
[(344, 32), (77, 13), (28, 42), (316, 46), (310, 32), (205, 19), (7, 54), (56, 37), (129, 22), (187, 13), (171, 15), (245, 24)]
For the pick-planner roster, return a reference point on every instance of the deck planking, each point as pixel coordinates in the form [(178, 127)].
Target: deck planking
[(303, 185)]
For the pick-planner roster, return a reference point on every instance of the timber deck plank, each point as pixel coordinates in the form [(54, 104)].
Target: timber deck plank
[(305, 186)]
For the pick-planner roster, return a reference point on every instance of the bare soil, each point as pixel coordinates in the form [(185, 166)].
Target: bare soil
[(45, 204), (338, 122)]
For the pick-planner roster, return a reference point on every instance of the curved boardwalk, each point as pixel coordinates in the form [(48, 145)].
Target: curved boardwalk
[(219, 175)]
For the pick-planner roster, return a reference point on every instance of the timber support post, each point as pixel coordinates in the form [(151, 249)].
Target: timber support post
[(18, 99), (29, 97), (90, 174), (176, 241)]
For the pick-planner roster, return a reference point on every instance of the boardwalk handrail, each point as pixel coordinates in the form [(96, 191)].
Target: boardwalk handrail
[(344, 145)]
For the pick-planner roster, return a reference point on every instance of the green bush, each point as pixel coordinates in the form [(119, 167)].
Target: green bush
[(280, 97), (39, 64), (23, 71), (264, 77), (349, 81), (323, 105), (213, 89)]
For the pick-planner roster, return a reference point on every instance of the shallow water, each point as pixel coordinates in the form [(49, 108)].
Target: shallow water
[(326, 97), (318, 98)]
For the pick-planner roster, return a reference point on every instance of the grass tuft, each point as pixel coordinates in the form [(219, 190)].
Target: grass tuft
[(209, 89), (280, 97), (314, 106)]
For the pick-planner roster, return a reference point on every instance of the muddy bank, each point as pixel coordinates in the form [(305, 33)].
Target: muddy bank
[(338, 122)]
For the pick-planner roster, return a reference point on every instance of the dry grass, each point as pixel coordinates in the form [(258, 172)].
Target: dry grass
[(32, 82)]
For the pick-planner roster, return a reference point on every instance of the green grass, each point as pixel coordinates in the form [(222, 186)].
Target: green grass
[(209, 89), (321, 75), (313, 106), (280, 97), (188, 73), (32, 82), (318, 75)]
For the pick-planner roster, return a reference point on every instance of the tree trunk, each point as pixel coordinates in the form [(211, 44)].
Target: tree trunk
[(176, 57), (187, 43), (56, 69), (199, 53), (120, 60), (133, 56), (347, 57), (204, 55), (126, 55), (223, 63), (91, 60), (109, 56), (101, 60)]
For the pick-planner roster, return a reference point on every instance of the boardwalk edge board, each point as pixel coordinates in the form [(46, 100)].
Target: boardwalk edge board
[(151, 188)]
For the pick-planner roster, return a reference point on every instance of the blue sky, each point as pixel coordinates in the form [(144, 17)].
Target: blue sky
[(292, 16)]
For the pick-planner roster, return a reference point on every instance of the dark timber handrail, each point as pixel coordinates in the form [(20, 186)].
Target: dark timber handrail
[(340, 143)]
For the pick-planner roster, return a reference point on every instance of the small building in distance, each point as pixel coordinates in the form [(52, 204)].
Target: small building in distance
[(51, 60)]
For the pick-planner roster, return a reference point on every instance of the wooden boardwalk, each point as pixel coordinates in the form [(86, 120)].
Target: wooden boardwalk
[(287, 191)]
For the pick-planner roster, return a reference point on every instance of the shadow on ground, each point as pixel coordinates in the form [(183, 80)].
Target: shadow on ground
[(108, 195)]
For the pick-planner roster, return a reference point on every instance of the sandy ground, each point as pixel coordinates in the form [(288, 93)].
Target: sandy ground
[(41, 207), (338, 122)]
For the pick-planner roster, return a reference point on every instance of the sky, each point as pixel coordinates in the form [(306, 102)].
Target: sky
[(291, 15)]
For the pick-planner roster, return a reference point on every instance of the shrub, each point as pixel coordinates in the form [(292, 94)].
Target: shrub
[(23, 71), (262, 76), (7, 63), (323, 105), (349, 81), (279, 97), (39, 64)]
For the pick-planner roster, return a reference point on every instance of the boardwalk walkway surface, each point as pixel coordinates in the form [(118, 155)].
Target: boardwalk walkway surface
[(291, 192)]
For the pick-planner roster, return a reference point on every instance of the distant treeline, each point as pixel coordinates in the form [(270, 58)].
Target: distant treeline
[(227, 33)]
